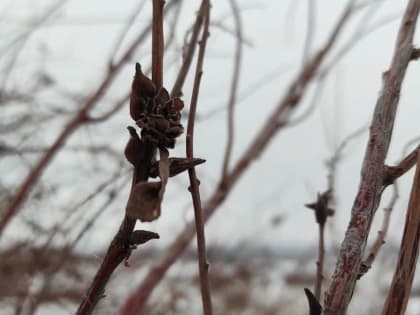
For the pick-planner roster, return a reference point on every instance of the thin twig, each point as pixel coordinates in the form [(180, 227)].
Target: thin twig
[(188, 56), (195, 192), (157, 43), (372, 179), (311, 107), (407, 146), (394, 172), (322, 211), (119, 248), (399, 292), (257, 146), (233, 89)]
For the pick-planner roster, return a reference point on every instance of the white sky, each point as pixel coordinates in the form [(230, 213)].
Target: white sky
[(78, 41), (290, 172)]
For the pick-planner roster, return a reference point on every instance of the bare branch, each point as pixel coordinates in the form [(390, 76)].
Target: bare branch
[(157, 43), (188, 56), (267, 132), (394, 172), (233, 89), (399, 292), (371, 185), (322, 211), (195, 192)]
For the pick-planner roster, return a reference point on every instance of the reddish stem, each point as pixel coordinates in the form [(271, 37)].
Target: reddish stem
[(402, 281)]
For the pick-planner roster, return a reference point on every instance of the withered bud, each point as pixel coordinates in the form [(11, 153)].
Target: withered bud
[(137, 106), (134, 148), (142, 89), (175, 131), (162, 124), (141, 236), (144, 201), (162, 96), (177, 104), (321, 207)]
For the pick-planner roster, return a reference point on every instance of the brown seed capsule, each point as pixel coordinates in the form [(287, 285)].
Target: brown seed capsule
[(175, 131), (134, 148), (177, 104), (162, 124), (162, 96), (142, 84), (137, 106), (142, 89), (144, 201)]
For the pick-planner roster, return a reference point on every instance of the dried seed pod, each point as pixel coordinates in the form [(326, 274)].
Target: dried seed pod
[(175, 131), (162, 124), (141, 122), (137, 106), (177, 104), (162, 96), (142, 85), (174, 117), (144, 201), (134, 148), (142, 89)]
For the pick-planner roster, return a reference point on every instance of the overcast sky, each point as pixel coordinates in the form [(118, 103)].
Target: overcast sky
[(80, 36)]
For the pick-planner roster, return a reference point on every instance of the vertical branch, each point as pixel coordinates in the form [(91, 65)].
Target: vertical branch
[(320, 262), (322, 212), (188, 56), (372, 174), (274, 123), (398, 294), (233, 89), (157, 43), (142, 154), (195, 193)]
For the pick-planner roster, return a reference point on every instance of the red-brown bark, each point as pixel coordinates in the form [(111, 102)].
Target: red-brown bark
[(373, 170)]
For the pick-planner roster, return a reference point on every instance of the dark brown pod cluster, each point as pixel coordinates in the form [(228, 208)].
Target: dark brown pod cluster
[(155, 112)]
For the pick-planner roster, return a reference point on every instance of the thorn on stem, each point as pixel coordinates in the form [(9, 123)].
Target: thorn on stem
[(142, 236), (415, 53), (314, 306)]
